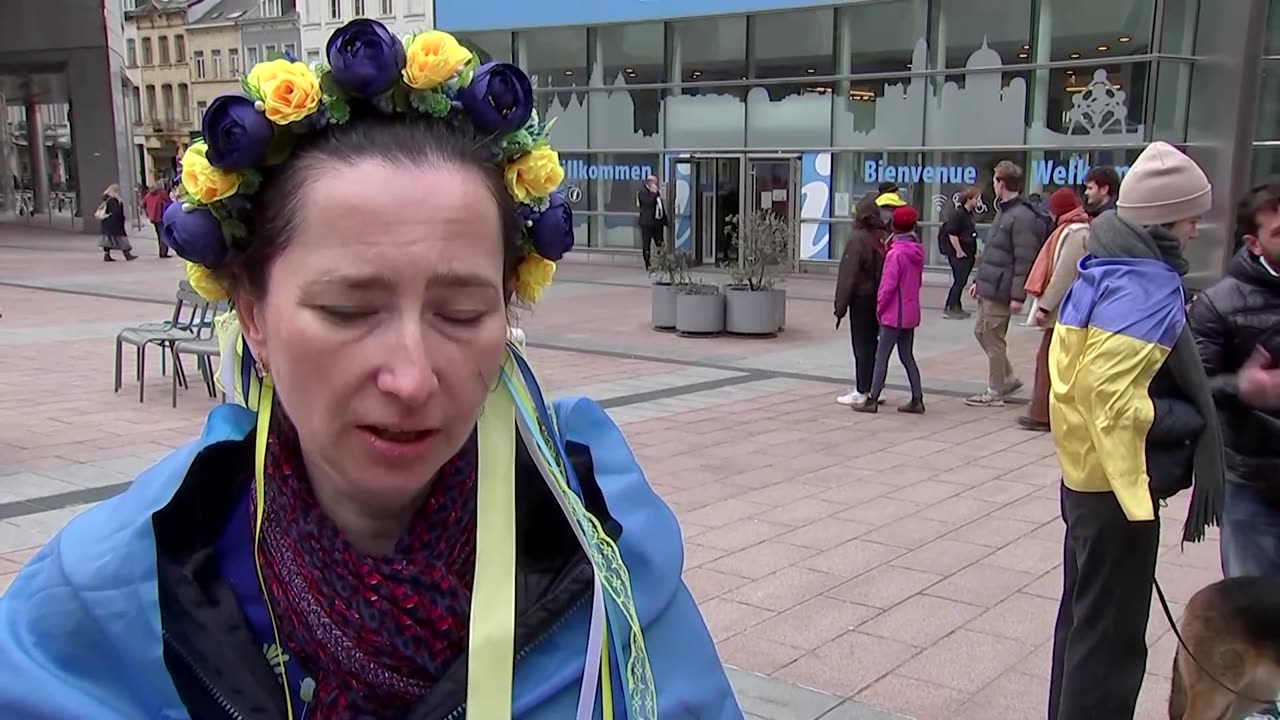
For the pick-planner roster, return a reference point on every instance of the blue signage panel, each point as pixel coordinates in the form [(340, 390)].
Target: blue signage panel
[(460, 15)]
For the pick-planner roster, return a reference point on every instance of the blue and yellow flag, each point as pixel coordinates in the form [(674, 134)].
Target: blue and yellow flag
[(1117, 325)]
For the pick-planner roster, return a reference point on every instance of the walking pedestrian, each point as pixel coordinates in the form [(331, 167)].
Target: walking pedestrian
[(860, 267), (111, 215), (154, 204), (1133, 421), (1050, 278), (958, 243), (1101, 184), (653, 216), (888, 199), (1000, 287), (898, 311)]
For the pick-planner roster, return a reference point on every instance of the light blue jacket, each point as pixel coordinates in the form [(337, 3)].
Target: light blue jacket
[(80, 632)]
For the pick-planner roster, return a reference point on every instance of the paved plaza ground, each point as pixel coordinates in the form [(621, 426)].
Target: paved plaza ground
[(843, 562)]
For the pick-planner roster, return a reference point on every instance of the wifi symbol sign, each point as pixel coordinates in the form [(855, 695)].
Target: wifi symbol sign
[(940, 203)]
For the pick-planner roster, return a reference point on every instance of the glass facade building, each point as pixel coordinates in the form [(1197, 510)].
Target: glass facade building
[(802, 107)]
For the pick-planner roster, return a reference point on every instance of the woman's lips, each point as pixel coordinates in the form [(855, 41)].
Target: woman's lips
[(399, 445)]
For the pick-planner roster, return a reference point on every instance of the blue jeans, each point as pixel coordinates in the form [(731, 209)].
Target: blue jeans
[(1250, 533)]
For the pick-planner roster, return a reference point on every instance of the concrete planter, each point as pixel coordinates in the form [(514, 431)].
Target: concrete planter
[(700, 314), (750, 312), (663, 306)]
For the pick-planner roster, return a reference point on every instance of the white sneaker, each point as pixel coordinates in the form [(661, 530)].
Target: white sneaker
[(853, 397)]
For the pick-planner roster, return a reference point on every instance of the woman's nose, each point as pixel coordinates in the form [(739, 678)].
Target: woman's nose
[(408, 372)]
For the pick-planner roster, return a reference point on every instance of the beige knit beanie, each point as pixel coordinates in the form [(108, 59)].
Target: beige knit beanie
[(1163, 186)]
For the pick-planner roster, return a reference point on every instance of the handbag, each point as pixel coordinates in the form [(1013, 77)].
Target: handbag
[(101, 213)]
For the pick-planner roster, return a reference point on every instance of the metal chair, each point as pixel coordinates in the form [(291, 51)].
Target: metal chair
[(191, 313), (204, 346)]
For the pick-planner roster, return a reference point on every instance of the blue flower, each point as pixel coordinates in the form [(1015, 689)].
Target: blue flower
[(365, 58), (194, 235), (551, 230), (499, 99), (236, 133)]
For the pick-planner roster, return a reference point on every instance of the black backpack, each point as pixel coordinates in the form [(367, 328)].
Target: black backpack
[(1044, 218)]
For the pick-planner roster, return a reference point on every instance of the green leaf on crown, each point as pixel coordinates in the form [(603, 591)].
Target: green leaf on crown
[(250, 89), (279, 148), (329, 84), (400, 98), (430, 102), (234, 230), (338, 108), (250, 181)]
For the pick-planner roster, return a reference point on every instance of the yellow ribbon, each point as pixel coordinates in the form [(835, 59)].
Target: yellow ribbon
[(491, 650)]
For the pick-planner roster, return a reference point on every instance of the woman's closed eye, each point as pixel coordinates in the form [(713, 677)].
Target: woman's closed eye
[(346, 314)]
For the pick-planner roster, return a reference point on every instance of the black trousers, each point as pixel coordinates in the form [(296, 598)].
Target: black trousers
[(648, 234), (864, 332), (1100, 640), (961, 268)]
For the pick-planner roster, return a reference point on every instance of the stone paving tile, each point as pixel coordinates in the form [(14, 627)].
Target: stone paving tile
[(907, 563)]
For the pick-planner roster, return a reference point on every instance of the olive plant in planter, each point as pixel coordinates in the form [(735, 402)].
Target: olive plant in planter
[(669, 271), (753, 305), (699, 309)]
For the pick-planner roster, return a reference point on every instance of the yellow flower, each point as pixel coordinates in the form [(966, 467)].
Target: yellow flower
[(535, 174), (432, 58), (203, 282), (289, 91), (204, 182), (533, 275)]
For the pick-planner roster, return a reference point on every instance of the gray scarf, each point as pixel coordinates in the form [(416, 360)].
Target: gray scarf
[(1110, 236)]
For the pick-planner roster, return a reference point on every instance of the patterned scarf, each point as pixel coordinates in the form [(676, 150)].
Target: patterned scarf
[(375, 632)]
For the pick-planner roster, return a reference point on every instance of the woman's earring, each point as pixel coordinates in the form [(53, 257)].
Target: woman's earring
[(262, 368)]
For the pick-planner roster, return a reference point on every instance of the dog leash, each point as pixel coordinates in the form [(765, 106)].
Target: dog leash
[(1173, 624)]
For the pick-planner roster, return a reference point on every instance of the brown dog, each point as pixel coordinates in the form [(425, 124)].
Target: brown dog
[(1232, 629)]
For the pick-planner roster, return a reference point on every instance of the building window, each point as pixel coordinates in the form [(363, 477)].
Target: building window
[(200, 108), (388, 8), (233, 61), (166, 102), (198, 57), (179, 49), (555, 57), (251, 55), (269, 50), (290, 50), (146, 52), (151, 103), (163, 43), (216, 57), (135, 104), (271, 8), (131, 52), (335, 9), (313, 56), (357, 8), (184, 101), (492, 46)]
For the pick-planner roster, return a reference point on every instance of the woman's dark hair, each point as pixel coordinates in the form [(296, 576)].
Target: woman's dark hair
[(866, 214), (412, 142), (969, 193)]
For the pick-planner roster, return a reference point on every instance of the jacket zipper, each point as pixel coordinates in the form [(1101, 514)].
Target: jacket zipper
[(226, 706), (458, 711)]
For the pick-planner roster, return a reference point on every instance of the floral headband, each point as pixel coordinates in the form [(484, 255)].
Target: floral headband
[(429, 73)]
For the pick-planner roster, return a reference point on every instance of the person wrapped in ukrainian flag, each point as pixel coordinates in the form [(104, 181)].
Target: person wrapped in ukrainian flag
[(1133, 423)]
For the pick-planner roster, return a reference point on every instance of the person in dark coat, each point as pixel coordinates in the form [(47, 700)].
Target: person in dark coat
[(653, 216), (958, 243), (114, 235), (856, 288), (1231, 320)]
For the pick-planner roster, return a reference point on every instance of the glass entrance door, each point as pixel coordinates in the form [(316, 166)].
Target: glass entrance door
[(706, 201), (772, 184)]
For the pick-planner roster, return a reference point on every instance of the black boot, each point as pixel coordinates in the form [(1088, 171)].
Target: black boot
[(129, 256), (869, 405), (915, 407), (106, 257)]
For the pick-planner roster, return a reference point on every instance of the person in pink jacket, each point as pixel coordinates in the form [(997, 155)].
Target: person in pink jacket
[(898, 309)]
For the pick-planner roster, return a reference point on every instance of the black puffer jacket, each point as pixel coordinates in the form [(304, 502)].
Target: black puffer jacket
[(1230, 320), (1012, 245)]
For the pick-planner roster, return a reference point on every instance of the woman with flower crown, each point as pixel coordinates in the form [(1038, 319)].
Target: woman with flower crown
[(394, 522)]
